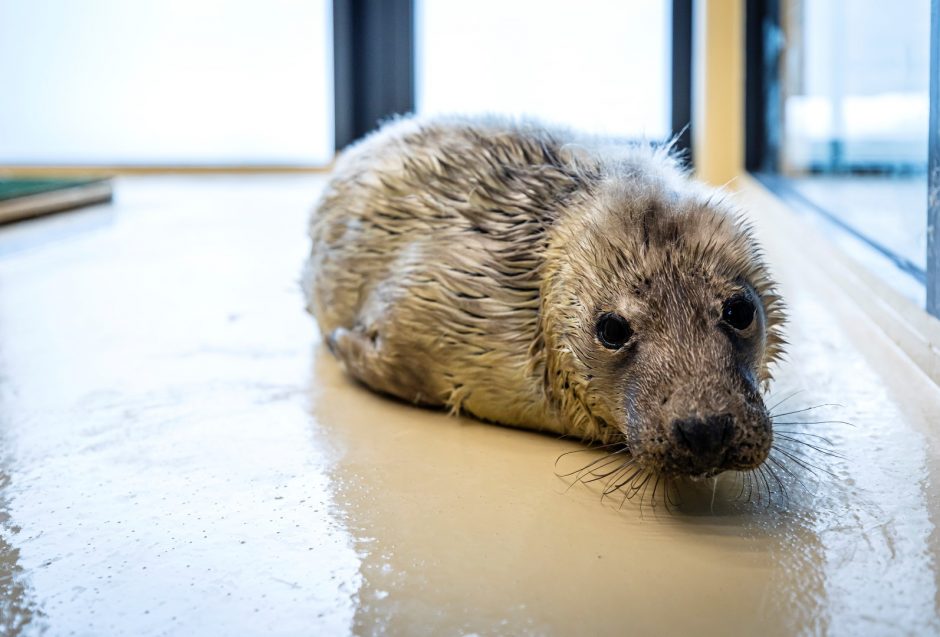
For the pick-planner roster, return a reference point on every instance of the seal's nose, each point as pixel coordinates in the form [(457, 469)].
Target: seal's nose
[(704, 440)]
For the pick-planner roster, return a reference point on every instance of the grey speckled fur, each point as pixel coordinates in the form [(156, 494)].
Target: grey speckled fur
[(464, 263)]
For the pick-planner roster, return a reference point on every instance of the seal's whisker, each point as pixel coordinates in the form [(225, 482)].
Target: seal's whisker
[(805, 468), (753, 488), (678, 501), (803, 457), (610, 486), (611, 477), (805, 409), (815, 422), (711, 505), (757, 487), (750, 485), (621, 483), (803, 462), (761, 480), (624, 499), (739, 475), (783, 487), (587, 466), (745, 485), (827, 452), (665, 491), (770, 491), (635, 488), (795, 459), (636, 469), (646, 486), (791, 432), (628, 495), (593, 447), (599, 470), (591, 468), (584, 450), (600, 476), (780, 402), (783, 467), (659, 477)]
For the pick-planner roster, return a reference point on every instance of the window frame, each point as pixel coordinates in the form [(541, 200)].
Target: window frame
[(373, 65), (933, 167)]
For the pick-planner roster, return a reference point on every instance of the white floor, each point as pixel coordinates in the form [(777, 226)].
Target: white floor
[(180, 455)]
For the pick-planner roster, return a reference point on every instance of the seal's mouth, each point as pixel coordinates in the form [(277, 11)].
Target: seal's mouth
[(702, 477), (701, 447)]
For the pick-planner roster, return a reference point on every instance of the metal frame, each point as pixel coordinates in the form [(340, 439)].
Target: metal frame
[(933, 169), (682, 77), (763, 39), (373, 64)]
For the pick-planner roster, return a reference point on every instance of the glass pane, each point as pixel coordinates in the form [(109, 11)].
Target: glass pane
[(598, 65), (854, 83), (165, 82)]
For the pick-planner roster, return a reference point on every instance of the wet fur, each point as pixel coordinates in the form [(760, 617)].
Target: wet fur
[(462, 263)]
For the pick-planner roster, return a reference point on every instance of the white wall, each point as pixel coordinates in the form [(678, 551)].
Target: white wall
[(165, 81), (599, 65)]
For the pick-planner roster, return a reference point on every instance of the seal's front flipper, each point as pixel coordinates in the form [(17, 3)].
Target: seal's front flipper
[(355, 351), (363, 357)]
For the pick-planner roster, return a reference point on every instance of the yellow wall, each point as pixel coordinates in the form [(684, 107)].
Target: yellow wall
[(718, 90)]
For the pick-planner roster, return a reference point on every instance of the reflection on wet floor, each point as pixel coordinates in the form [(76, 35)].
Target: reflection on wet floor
[(16, 607), (181, 455)]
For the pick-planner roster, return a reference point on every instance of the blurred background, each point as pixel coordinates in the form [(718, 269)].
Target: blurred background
[(245, 82), (829, 104), (851, 121), (166, 82)]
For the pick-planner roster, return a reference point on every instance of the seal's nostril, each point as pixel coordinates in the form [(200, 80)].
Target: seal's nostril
[(723, 426), (693, 433), (705, 436)]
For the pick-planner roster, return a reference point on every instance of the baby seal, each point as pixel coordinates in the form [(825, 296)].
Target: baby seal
[(541, 279)]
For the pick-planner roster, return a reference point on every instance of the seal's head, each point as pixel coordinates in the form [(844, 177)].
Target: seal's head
[(659, 324)]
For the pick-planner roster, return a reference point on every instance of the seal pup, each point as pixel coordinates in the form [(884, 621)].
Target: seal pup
[(543, 279)]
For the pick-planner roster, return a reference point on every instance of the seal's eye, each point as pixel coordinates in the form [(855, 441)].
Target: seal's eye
[(738, 312), (613, 331)]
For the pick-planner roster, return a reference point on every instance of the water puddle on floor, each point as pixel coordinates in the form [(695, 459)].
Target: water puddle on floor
[(464, 527)]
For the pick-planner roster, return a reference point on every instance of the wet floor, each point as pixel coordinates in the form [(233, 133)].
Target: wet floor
[(179, 455)]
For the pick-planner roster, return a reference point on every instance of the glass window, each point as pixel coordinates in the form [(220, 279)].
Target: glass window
[(599, 65), (166, 82), (854, 108)]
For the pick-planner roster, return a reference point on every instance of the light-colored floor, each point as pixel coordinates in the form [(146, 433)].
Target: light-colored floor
[(179, 455)]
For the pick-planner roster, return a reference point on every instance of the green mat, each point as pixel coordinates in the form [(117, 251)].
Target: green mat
[(10, 188), (24, 198)]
